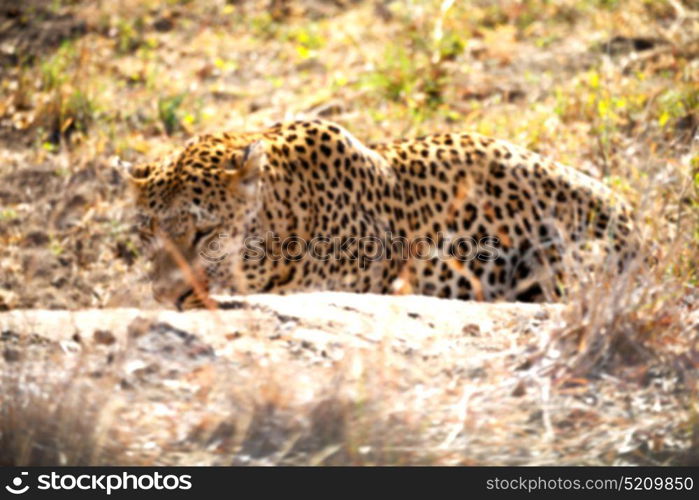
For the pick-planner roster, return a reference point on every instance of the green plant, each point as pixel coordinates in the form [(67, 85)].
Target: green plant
[(129, 35), (413, 69), (695, 199), (307, 40), (397, 77), (263, 26), (677, 102), (54, 71), (8, 214), (168, 112), (605, 4), (69, 106)]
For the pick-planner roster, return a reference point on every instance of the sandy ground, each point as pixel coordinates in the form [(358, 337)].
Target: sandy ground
[(467, 383)]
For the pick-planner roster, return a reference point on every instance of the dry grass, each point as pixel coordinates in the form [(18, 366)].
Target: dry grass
[(161, 397), (52, 413), (608, 86)]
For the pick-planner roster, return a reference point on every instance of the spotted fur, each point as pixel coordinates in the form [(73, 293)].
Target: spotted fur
[(220, 211)]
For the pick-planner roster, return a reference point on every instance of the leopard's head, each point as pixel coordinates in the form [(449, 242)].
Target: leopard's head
[(193, 208)]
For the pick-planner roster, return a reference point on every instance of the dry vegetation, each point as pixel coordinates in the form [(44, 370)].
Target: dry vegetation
[(609, 86)]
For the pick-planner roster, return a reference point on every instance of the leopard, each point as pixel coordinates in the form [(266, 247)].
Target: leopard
[(304, 205)]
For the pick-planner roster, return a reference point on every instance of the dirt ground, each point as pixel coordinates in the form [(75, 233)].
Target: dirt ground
[(608, 86), (333, 378)]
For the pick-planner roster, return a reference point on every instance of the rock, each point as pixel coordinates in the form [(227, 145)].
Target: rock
[(163, 24), (104, 337), (36, 239), (11, 355), (138, 327)]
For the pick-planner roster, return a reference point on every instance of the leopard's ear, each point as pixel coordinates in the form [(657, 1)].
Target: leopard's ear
[(137, 175), (251, 162), (254, 157)]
